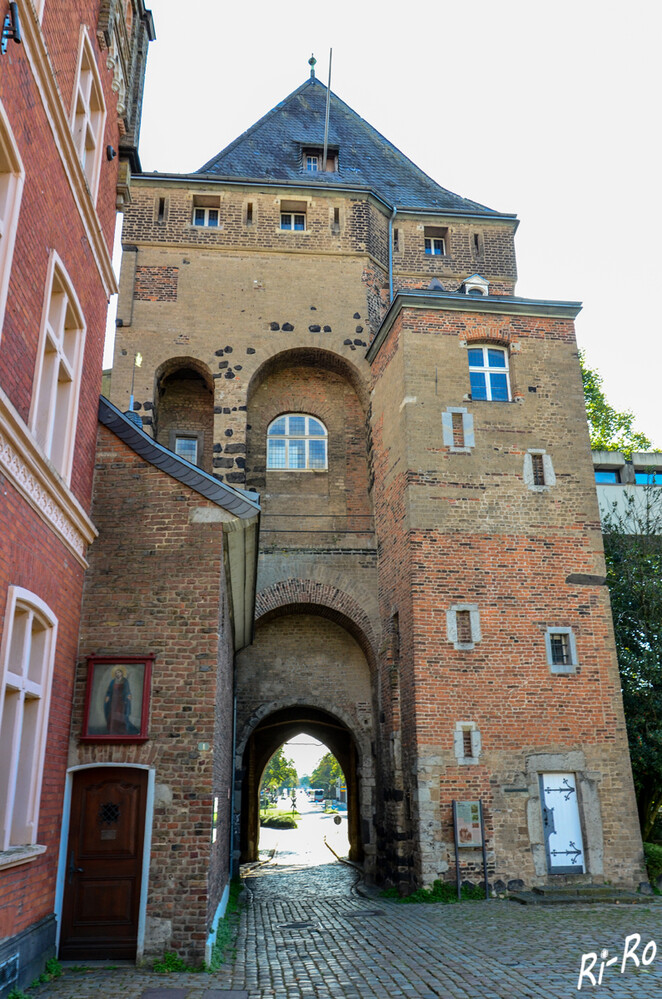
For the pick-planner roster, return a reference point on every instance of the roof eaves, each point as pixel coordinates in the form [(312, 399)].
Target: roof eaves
[(423, 298), (235, 501)]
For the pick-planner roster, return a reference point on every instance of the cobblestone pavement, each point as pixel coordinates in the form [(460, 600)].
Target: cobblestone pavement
[(306, 934)]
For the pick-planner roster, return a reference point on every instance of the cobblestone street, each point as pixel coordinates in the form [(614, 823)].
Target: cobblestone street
[(305, 932)]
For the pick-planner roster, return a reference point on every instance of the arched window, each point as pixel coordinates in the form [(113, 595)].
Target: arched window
[(488, 373), (296, 441)]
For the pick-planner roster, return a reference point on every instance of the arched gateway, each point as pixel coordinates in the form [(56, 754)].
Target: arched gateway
[(267, 736)]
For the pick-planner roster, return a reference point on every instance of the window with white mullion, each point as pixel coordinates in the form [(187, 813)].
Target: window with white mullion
[(55, 396), (88, 115), (12, 177), (296, 441), (25, 674)]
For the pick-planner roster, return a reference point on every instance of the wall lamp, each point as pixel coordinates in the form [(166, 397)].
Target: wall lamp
[(11, 28)]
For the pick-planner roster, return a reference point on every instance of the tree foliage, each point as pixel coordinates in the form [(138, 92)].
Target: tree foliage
[(279, 773), (327, 773), (633, 552), (609, 429)]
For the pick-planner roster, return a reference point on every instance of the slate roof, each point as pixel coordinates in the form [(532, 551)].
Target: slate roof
[(242, 504), (270, 150)]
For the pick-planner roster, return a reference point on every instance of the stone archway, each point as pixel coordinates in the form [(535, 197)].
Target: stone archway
[(267, 735)]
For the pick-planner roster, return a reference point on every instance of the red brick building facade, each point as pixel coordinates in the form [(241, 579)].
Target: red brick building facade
[(69, 114)]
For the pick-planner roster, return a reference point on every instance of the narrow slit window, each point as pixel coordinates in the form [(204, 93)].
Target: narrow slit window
[(464, 635), (467, 747), (161, 211), (249, 213), (336, 217), (538, 469), (396, 240), (458, 429)]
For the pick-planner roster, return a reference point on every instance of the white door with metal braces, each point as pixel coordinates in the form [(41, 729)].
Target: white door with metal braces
[(561, 824)]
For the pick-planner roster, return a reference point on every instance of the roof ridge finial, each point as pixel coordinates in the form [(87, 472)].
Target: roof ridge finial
[(312, 62)]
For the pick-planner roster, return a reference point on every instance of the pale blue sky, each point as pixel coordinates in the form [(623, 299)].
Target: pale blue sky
[(549, 111)]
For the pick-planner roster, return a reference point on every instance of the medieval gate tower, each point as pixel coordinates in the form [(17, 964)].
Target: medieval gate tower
[(342, 337)]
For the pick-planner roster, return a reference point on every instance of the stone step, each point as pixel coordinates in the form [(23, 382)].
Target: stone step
[(574, 894)]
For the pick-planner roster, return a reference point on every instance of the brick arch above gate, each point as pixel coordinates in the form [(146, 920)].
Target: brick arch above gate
[(309, 596)]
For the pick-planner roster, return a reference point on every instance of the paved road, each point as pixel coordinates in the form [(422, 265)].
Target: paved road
[(306, 934)]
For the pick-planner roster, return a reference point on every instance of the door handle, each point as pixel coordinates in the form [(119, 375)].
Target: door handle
[(72, 869)]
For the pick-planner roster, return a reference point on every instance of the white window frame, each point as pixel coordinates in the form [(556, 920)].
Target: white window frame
[(556, 667), (206, 222), (451, 625), (288, 221), (12, 178), (27, 656), (56, 391), (312, 163), (487, 369), (458, 743), (88, 114), (306, 437), (467, 429), (435, 246), (547, 467)]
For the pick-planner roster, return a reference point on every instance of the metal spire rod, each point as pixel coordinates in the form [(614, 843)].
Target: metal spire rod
[(326, 123)]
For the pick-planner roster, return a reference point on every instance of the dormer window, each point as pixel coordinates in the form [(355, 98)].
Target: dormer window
[(312, 160), (476, 285)]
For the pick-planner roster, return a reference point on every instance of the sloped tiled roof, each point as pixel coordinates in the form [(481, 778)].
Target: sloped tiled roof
[(270, 151)]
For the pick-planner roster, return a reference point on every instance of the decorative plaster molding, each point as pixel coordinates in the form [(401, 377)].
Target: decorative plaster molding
[(30, 472)]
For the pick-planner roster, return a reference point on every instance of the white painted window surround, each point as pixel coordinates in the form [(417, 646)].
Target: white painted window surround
[(561, 650), (56, 389), (12, 176), (467, 428), (88, 114), (451, 625), (462, 729), (27, 654), (548, 471)]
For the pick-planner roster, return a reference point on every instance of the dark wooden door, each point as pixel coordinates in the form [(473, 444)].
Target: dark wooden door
[(104, 864)]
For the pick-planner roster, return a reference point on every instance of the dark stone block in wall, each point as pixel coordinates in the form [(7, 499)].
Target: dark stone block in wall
[(274, 326), (230, 374), (228, 432), (250, 350), (359, 329), (223, 463), (357, 315), (327, 329), (228, 350), (222, 364), (515, 884), (234, 448), (236, 477), (314, 329), (237, 367), (347, 342), (288, 327)]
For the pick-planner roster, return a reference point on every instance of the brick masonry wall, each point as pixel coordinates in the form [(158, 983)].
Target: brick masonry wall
[(167, 600), (514, 564), (31, 557)]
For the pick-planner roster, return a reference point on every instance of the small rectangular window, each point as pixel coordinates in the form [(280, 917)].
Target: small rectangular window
[(561, 652), (187, 448), (293, 221), (458, 429), (206, 217), (160, 212), (396, 240), (463, 620), (435, 240), (312, 163), (649, 477), (607, 475), (249, 213), (538, 469), (467, 747), (336, 217)]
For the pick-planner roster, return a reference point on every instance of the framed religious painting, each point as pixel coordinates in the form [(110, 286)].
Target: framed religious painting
[(117, 698)]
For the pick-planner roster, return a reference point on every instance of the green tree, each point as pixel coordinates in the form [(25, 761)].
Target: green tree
[(326, 774), (633, 553), (279, 773), (609, 430)]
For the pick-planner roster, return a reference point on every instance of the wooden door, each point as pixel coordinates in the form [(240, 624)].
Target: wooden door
[(104, 864), (561, 824)]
